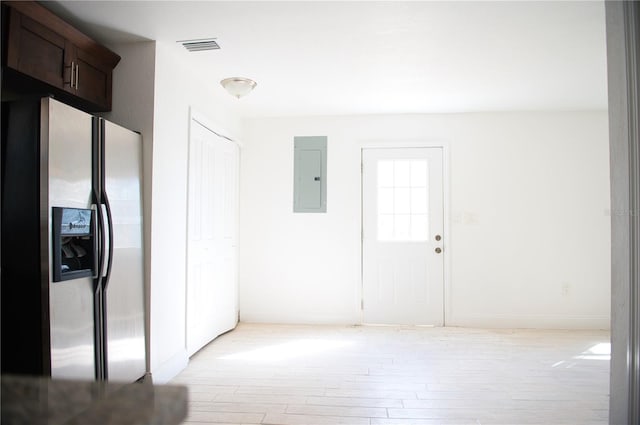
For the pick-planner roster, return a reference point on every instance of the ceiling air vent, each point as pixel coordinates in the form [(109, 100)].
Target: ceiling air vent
[(200, 45)]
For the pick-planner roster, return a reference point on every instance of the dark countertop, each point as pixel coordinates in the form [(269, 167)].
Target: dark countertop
[(37, 400)]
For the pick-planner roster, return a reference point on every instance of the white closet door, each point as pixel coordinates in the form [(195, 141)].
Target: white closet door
[(212, 288)]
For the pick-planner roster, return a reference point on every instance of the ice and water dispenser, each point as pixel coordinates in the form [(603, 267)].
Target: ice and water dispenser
[(74, 243)]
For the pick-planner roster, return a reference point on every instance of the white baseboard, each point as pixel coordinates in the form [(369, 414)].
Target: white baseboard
[(532, 322), (298, 319), (489, 321), (170, 368)]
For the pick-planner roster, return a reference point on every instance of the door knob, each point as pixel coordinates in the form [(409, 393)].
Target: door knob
[(438, 250), (438, 237)]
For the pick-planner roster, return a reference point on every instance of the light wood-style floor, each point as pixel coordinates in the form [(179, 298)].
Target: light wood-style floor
[(306, 375)]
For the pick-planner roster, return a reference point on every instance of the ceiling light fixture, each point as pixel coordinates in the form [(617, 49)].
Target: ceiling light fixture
[(238, 86)]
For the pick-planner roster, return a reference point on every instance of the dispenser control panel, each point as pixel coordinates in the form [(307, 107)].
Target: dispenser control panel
[(74, 243)]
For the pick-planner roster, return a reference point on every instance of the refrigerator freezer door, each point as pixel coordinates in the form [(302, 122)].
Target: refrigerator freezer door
[(66, 155), (124, 294)]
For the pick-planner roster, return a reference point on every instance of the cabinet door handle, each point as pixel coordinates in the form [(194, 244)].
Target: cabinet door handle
[(71, 68), (77, 75), (73, 74)]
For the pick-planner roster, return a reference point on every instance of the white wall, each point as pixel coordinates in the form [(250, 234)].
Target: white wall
[(529, 236), (177, 87)]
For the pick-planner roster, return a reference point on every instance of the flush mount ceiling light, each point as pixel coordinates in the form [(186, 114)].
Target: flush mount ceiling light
[(238, 86)]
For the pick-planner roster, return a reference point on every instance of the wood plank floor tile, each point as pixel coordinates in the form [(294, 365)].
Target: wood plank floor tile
[(316, 410), (354, 402), (286, 419), (399, 375)]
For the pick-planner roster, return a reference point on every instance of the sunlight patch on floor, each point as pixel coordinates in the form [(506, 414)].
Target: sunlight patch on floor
[(289, 350), (600, 351)]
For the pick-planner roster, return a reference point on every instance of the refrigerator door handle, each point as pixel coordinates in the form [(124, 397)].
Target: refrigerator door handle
[(100, 242), (109, 261), (107, 235), (97, 231)]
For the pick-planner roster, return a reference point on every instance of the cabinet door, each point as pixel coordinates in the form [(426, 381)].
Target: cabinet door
[(35, 50), (92, 78)]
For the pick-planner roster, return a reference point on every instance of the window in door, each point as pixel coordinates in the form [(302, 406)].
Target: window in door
[(403, 193)]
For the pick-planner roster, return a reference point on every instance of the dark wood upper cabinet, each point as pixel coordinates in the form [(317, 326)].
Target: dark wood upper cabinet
[(42, 46), (92, 80), (45, 60)]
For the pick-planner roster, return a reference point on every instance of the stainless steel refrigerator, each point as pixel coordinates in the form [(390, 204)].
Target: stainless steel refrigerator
[(72, 244)]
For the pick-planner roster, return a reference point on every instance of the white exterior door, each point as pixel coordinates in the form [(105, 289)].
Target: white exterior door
[(212, 288), (402, 243)]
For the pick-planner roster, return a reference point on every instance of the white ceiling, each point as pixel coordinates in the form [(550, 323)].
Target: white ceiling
[(365, 57)]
